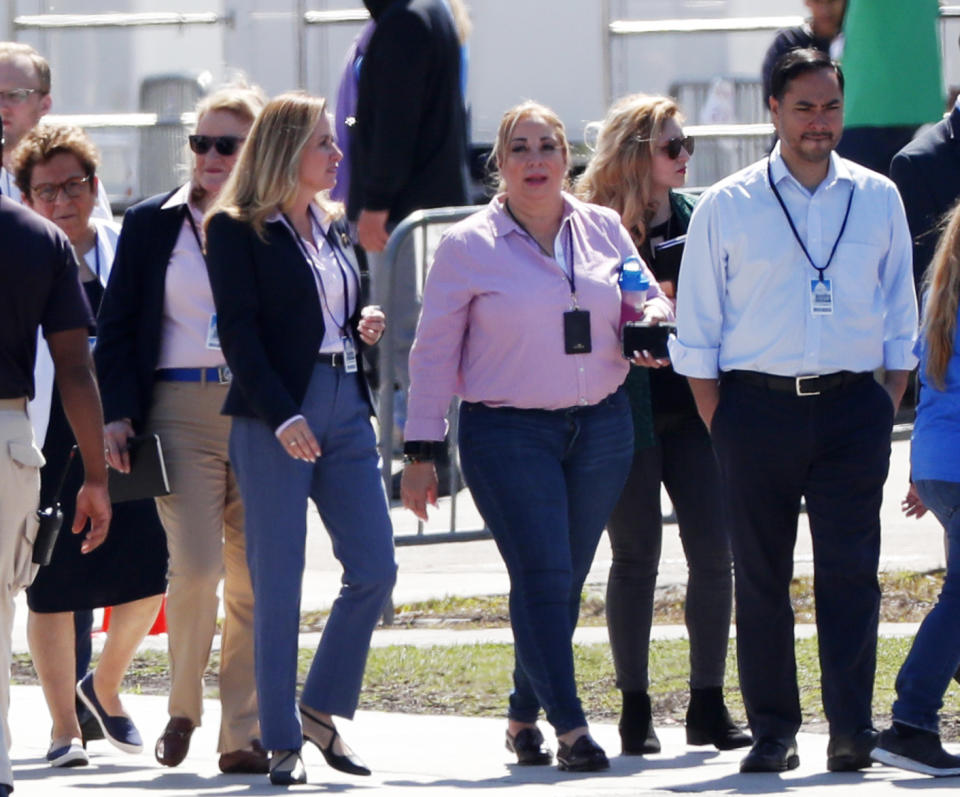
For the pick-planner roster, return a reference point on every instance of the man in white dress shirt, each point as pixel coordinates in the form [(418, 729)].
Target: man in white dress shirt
[(796, 285)]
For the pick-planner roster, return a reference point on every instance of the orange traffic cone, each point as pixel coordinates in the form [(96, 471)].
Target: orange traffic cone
[(159, 625)]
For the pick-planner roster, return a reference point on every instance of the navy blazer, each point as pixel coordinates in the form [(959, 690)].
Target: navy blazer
[(927, 172), (269, 315), (131, 314)]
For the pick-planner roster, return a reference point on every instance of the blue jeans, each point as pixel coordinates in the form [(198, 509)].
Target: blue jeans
[(545, 482), (935, 654), (345, 485)]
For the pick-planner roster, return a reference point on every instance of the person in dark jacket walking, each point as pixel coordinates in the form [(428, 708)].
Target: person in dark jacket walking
[(409, 142)]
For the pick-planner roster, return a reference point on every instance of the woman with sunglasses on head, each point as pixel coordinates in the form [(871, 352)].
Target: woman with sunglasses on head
[(521, 319), (290, 295), (55, 168), (639, 166), (162, 372)]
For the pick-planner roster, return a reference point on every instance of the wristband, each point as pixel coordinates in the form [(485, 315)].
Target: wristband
[(420, 451)]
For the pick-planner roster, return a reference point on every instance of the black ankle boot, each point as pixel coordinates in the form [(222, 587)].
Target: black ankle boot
[(637, 735), (709, 722)]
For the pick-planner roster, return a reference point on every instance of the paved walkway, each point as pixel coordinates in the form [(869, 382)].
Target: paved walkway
[(424, 756), (436, 756)]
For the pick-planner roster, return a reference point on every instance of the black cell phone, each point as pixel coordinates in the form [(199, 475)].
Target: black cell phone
[(638, 336)]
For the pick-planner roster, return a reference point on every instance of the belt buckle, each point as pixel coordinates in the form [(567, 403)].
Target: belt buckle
[(799, 386), (223, 375), (334, 357)]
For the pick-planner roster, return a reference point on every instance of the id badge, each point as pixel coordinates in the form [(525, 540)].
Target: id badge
[(213, 334), (576, 332), (349, 355), (821, 297)]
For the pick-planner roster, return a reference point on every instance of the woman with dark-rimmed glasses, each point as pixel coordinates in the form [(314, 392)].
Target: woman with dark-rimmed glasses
[(161, 371), (638, 169)]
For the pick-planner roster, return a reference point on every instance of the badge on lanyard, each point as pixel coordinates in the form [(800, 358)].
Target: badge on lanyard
[(821, 297), (213, 334), (349, 355)]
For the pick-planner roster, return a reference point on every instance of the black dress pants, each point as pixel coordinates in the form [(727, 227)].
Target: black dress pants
[(833, 450)]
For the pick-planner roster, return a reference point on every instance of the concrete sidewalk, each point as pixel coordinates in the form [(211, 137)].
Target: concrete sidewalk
[(417, 755)]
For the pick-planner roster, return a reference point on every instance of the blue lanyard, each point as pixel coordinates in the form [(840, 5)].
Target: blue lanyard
[(793, 227)]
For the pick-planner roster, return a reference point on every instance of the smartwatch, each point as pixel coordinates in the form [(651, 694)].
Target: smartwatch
[(420, 451)]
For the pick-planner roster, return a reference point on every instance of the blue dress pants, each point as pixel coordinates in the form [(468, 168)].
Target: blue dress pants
[(545, 482), (833, 450), (346, 487), (935, 654)]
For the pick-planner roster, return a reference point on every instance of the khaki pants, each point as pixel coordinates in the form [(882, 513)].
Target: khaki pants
[(203, 519), (20, 463)]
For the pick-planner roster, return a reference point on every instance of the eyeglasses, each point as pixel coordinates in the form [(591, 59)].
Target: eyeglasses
[(675, 145), (16, 96), (225, 145), (72, 188)]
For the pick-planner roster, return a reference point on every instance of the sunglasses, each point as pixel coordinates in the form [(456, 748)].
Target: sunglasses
[(225, 145), (16, 96), (675, 145), (73, 188)]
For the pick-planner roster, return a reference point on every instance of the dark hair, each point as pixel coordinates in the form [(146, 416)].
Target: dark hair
[(798, 62)]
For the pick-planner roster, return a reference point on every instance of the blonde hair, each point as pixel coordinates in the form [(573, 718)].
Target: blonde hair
[(10, 50), (44, 141), (266, 177), (461, 19), (509, 122), (242, 100), (619, 173), (942, 289)]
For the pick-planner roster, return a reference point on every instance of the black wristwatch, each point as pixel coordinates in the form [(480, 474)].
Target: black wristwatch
[(420, 451)]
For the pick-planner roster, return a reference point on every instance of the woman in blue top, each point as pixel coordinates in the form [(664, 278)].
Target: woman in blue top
[(913, 741)]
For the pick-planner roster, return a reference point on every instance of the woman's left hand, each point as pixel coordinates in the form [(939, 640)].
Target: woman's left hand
[(372, 323), (653, 313)]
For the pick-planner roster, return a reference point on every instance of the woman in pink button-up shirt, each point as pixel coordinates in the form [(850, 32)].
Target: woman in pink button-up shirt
[(521, 320)]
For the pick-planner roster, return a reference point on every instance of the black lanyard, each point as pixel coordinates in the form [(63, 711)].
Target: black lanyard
[(311, 263), (196, 233), (96, 252), (571, 278), (793, 227)]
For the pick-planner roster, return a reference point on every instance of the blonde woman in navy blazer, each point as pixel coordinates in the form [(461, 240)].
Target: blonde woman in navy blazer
[(290, 305)]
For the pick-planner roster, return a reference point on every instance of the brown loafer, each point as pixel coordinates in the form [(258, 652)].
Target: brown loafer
[(173, 745), (254, 761)]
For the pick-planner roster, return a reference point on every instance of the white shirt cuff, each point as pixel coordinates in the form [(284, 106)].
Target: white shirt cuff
[(898, 355), (690, 361), (279, 430)]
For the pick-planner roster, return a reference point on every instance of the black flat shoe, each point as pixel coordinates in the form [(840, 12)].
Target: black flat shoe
[(584, 755), (529, 747), (709, 722), (771, 755), (344, 762)]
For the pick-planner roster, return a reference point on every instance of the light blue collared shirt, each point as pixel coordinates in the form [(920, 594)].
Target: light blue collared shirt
[(743, 298)]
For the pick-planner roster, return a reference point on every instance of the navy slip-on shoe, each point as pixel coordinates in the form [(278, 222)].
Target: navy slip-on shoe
[(120, 731), (70, 754)]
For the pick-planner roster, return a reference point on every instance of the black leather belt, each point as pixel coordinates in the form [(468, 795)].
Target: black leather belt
[(799, 385), (217, 376), (333, 359)]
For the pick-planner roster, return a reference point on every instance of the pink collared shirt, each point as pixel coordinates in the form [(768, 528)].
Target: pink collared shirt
[(491, 329)]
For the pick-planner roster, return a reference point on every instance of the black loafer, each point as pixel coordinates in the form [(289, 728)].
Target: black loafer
[(848, 753), (584, 755), (771, 755), (529, 747)]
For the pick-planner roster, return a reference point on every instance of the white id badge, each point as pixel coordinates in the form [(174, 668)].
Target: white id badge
[(821, 297), (349, 355), (213, 334)]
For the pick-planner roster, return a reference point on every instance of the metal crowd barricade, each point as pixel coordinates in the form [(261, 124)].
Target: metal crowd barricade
[(416, 226)]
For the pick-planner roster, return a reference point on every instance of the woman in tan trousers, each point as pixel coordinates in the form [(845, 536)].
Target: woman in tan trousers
[(161, 371)]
